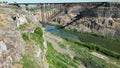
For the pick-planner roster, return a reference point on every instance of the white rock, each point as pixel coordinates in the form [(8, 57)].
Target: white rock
[(21, 20), (45, 46), (38, 53), (3, 47)]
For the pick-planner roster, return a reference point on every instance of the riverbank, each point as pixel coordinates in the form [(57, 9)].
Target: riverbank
[(77, 53), (104, 44), (111, 43)]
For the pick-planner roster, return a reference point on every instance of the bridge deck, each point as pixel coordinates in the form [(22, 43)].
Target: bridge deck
[(50, 3)]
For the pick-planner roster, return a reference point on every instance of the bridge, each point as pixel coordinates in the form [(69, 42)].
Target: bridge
[(55, 9)]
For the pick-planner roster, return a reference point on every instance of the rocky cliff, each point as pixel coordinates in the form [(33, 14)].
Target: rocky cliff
[(15, 51)]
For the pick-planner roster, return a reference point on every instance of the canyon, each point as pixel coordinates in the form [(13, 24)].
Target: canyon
[(27, 42)]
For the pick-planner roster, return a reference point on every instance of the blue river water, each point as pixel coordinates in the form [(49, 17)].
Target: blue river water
[(55, 30)]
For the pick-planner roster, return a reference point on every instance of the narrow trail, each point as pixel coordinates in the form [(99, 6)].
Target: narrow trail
[(44, 61), (105, 58)]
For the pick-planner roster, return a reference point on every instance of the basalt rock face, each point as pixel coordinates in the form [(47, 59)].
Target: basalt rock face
[(11, 42), (93, 17)]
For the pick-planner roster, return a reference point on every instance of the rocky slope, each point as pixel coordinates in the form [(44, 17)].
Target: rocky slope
[(13, 48)]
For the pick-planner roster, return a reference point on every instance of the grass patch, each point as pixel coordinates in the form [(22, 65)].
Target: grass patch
[(58, 60), (36, 37), (22, 27), (62, 45), (28, 61)]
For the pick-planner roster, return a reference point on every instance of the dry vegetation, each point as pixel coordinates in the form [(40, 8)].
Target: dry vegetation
[(3, 22)]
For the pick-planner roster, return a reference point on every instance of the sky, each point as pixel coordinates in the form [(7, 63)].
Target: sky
[(57, 1)]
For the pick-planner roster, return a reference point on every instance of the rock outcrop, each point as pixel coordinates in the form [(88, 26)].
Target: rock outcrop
[(12, 45)]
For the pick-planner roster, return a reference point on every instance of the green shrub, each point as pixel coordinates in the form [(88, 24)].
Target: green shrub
[(62, 45), (22, 27), (38, 31), (25, 37)]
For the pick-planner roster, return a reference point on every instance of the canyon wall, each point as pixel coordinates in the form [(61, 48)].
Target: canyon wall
[(102, 18)]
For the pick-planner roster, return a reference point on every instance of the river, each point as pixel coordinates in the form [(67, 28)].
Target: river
[(87, 38), (55, 30)]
